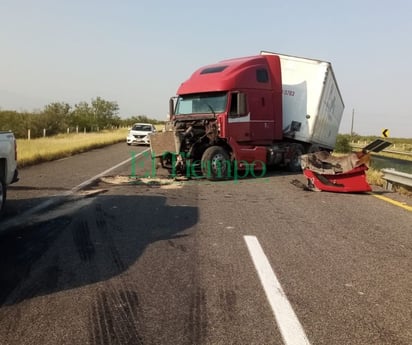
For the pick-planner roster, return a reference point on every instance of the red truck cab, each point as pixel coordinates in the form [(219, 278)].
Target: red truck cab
[(247, 95)]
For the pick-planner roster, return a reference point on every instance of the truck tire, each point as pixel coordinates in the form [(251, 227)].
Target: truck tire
[(3, 193), (215, 163), (294, 163)]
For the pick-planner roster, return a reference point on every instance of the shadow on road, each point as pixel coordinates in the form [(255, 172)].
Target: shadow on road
[(87, 245), (28, 188)]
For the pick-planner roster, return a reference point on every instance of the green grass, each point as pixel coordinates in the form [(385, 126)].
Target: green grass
[(39, 150)]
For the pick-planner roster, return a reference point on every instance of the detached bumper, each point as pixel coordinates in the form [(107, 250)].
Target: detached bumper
[(353, 181), (344, 174)]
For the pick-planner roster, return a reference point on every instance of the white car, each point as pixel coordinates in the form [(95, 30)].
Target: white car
[(140, 134)]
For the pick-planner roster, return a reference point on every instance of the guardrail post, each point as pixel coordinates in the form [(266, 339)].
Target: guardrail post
[(389, 185)]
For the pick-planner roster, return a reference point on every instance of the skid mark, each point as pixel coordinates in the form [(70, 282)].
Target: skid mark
[(181, 247), (105, 231), (84, 245), (227, 303), (116, 318), (198, 319)]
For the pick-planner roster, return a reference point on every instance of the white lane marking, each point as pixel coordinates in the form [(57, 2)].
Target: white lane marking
[(55, 199), (94, 178), (288, 323)]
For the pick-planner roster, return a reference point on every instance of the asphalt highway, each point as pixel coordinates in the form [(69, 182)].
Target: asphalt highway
[(127, 259)]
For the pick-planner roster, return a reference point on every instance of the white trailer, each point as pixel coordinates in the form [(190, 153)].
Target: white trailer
[(312, 103)]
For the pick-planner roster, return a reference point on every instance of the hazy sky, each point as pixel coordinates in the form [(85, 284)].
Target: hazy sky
[(138, 52)]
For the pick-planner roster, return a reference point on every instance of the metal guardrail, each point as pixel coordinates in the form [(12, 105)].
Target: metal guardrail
[(398, 152), (391, 176), (405, 153)]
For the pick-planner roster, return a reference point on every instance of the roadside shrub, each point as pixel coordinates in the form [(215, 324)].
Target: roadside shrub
[(342, 144)]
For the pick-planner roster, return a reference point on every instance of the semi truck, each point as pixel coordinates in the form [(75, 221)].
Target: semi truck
[(8, 164), (242, 115)]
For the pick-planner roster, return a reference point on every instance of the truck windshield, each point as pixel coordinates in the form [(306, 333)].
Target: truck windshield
[(205, 103)]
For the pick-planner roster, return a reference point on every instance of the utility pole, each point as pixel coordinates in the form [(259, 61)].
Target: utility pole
[(353, 118)]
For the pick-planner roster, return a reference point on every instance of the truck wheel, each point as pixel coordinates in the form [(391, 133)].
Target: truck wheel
[(215, 163), (294, 163), (2, 196)]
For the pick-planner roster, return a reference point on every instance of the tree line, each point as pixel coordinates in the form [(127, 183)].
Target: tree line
[(60, 117)]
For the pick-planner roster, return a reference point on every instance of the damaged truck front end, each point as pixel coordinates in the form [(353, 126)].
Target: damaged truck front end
[(192, 129)]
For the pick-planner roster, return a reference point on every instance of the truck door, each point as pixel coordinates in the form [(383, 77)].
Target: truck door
[(238, 123), (262, 120)]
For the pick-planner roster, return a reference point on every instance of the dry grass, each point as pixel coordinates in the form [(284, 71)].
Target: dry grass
[(46, 149), (375, 177), (160, 127), (403, 190)]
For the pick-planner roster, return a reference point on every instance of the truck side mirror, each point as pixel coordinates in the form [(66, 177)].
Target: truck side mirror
[(171, 107)]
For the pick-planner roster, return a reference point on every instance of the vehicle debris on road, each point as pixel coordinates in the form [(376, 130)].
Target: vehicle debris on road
[(347, 173)]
